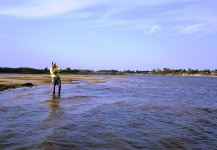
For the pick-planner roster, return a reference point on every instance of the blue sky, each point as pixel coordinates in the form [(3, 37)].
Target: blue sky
[(109, 34)]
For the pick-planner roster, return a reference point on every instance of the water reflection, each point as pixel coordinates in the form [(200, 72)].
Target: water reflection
[(54, 103), (56, 112), (53, 122)]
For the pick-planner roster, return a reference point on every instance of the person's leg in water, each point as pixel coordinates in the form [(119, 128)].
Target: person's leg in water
[(53, 85), (59, 85)]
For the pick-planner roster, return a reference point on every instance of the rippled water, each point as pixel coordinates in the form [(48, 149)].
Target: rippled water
[(144, 112)]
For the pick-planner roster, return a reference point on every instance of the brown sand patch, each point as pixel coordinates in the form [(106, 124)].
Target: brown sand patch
[(11, 81)]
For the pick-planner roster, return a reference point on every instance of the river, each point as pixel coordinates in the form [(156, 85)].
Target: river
[(144, 112)]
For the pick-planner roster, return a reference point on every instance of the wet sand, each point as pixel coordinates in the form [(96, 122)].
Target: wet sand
[(14, 81)]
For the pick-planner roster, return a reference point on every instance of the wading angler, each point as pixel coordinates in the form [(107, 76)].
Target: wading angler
[(55, 77)]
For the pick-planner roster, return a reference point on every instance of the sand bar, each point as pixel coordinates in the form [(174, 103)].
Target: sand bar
[(14, 81)]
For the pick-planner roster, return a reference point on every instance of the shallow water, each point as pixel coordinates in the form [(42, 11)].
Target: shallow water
[(144, 112)]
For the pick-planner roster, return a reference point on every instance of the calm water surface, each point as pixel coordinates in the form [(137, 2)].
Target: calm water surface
[(144, 112)]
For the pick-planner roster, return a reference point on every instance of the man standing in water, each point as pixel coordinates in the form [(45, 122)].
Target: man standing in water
[(54, 71)]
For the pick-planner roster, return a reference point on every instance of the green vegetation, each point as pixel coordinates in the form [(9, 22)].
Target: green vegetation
[(23, 70), (167, 71), (164, 71)]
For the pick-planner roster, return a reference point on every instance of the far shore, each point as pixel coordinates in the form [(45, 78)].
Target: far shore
[(192, 75), (15, 81)]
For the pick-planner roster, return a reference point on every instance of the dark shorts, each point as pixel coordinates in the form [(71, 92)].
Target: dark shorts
[(56, 81)]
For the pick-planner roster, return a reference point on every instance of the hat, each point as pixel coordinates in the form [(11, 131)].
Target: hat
[(53, 62)]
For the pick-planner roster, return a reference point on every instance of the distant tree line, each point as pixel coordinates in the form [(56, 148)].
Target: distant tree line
[(164, 71), (168, 71), (23, 70)]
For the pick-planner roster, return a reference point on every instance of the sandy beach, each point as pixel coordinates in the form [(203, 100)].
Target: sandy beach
[(14, 81)]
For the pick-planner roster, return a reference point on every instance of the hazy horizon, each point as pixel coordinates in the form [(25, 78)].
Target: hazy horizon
[(116, 69)]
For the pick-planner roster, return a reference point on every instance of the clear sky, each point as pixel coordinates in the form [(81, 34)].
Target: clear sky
[(109, 34)]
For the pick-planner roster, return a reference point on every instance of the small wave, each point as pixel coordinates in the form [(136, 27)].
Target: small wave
[(208, 110), (77, 97), (148, 107)]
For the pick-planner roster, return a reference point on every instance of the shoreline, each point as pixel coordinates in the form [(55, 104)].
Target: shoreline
[(28, 80), (12, 81)]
